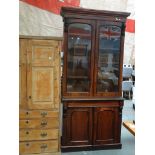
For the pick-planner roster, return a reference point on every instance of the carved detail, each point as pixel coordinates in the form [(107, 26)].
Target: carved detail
[(120, 111), (65, 108), (123, 29), (66, 24)]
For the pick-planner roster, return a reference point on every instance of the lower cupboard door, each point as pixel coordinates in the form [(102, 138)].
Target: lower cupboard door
[(38, 147), (77, 127), (105, 125)]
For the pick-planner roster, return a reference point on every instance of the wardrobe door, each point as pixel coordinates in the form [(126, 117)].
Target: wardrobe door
[(42, 74)]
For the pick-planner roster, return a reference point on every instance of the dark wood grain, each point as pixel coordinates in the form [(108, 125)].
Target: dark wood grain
[(70, 12), (104, 128), (77, 126), (92, 120)]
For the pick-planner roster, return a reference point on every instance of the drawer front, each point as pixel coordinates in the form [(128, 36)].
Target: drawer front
[(23, 114), (38, 147), (34, 134), (43, 123)]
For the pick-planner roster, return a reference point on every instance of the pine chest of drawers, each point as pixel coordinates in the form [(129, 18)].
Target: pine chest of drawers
[(39, 77), (39, 131)]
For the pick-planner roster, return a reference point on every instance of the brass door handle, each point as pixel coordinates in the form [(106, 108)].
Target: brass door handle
[(43, 134), (44, 113), (27, 144), (43, 123), (43, 146)]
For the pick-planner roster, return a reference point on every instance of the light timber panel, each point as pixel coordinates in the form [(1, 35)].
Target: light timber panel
[(39, 88)]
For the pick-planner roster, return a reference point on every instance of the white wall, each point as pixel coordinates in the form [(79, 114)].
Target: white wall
[(113, 5), (34, 21)]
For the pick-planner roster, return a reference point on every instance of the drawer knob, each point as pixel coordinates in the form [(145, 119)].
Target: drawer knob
[(27, 144), (43, 113), (27, 132), (27, 122), (27, 113), (43, 146), (43, 134), (43, 123)]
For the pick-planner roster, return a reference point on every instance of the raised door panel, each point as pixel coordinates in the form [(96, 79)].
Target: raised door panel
[(105, 125), (43, 74), (22, 73), (77, 127), (42, 87)]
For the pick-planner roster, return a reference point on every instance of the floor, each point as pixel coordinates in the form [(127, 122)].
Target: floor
[(128, 140)]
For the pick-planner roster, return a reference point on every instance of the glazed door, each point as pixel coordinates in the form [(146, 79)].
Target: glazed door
[(109, 59), (77, 126), (106, 122), (79, 54), (22, 73), (43, 64)]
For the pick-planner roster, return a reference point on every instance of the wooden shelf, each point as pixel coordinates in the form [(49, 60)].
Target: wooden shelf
[(130, 126)]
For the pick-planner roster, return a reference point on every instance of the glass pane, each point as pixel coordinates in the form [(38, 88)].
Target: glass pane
[(108, 60), (78, 58)]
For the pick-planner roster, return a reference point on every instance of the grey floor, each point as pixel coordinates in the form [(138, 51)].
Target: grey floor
[(128, 140)]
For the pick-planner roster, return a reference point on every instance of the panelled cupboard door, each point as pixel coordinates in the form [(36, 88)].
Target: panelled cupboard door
[(77, 126), (43, 74), (22, 73), (105, 125)]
